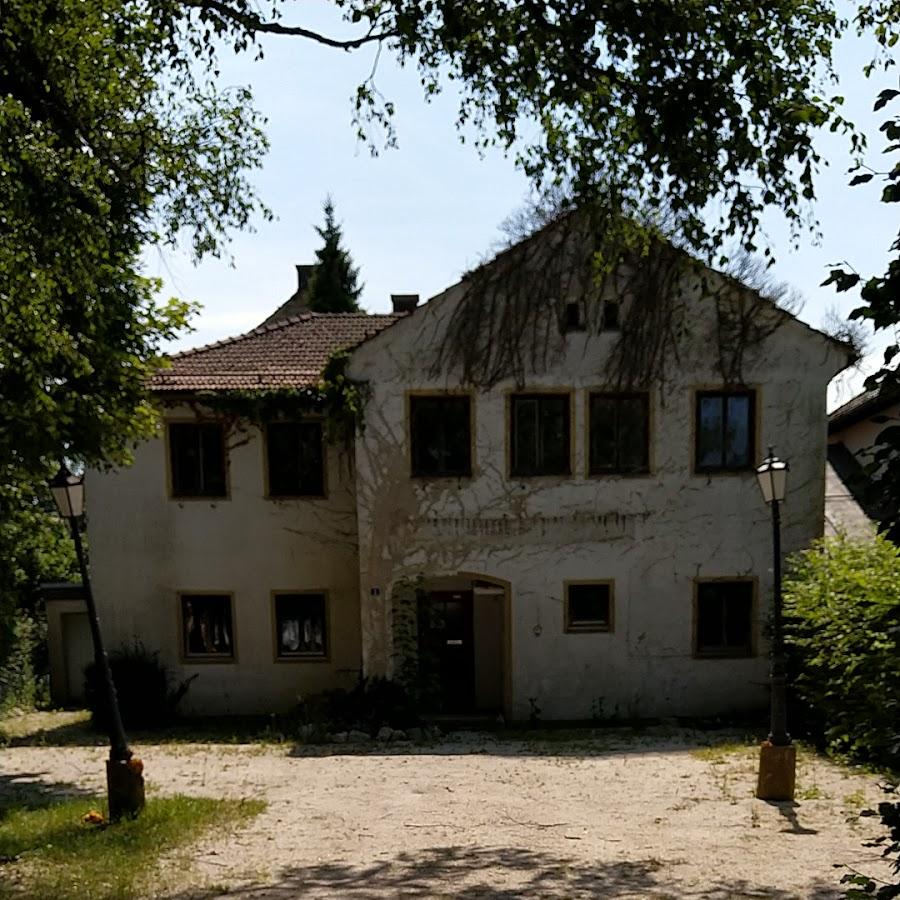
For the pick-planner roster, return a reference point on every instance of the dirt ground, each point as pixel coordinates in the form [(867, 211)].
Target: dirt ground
[(658, 813)]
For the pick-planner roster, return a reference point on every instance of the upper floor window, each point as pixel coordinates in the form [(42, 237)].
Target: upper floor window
[(197, 459), (539, 443), (725, 430), (724, 618), (294, 453), (440, 435), (619, 429)]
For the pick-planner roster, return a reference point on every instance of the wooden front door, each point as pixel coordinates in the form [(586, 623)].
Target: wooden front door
[(447, 636)]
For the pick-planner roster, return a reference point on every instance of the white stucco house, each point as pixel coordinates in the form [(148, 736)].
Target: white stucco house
[(589, 548)]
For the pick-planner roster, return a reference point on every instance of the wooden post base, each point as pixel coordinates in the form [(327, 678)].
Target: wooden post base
[(777, 772), (125, 788)]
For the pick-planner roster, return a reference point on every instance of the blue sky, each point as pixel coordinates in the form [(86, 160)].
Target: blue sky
[(416, 217)]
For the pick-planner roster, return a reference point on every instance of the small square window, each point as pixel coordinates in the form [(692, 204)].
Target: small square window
[(300, 626), (197, 458), (206, 627), (725, 431), (573, 320), (724, 619), (440, 434), (539, 443), (589, 606), (619, 434), (296, 465)]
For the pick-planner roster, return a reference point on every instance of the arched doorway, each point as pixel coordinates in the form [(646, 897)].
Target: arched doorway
[(464, 627)]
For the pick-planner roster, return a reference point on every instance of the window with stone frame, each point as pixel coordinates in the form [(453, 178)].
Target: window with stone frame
[(295, 459), (589, 606), (197, 459), (724, 618), (440, 435), (207, 631), (725, 430), (301, 626), (618, 433), (540, 441)]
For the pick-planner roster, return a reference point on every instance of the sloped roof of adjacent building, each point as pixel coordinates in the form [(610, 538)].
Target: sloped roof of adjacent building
[(862, 406), (290, 353)]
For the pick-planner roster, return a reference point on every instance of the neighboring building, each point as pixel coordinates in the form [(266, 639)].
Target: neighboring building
[(586, 550), (853, 431)]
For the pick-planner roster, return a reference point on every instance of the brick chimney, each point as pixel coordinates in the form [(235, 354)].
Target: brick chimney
[(304, 273), (404, 303)]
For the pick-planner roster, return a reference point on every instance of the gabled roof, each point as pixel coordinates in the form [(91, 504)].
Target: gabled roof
[(290, 353), (862, 406)]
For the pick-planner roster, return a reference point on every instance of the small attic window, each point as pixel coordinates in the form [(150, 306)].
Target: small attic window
[(610, 316), (573, 320)]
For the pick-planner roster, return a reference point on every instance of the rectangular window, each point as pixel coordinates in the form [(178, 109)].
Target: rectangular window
[(197, 458), (589, 606), (300, 626), (539, 443), (206, 627), (724, 619), (296, 464), (619, 428), (440, 434), (725, 430)]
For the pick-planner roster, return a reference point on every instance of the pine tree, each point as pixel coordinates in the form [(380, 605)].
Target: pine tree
[(334, 286)]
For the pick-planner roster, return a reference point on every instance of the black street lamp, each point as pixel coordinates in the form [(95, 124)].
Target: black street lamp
[(777, 764), (124, 781)]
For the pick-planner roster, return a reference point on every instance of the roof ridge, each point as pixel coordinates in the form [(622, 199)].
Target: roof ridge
[(277, 326)]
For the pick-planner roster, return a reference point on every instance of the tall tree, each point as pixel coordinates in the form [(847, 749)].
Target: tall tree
[(334, 286)]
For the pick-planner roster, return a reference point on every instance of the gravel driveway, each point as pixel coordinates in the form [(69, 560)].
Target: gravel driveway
[(664, 813)]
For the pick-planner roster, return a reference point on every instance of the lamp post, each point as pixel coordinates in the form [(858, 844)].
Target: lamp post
[(124, 779), (778, 756)]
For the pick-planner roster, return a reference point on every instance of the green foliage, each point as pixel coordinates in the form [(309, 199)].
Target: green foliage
[(147, 697), (842, 628), (595, 94), (20, 686), (862, 887), (34, 547), (49, 852), (372, 703), (107, 148), (334, 286)]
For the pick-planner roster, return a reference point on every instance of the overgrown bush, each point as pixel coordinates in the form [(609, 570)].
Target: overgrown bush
[(20, 686), (842, 627), (372, 703), (147, 696), (862, 887)]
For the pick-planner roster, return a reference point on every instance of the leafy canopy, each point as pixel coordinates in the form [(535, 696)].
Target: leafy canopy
[(334, 286)]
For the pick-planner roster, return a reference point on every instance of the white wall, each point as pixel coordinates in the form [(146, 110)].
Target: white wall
[(146, 547), (653, 535)]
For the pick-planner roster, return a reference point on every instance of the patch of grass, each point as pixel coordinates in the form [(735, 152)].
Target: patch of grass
[(718, 753), (855, 801), (50, 852), (813, 792)]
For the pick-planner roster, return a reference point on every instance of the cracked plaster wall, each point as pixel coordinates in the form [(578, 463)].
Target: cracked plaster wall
[(146, 547), (652, 534)]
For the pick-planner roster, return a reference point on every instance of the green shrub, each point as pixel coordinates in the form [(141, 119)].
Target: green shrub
[(147, 698), (20, 685), (842, 627)]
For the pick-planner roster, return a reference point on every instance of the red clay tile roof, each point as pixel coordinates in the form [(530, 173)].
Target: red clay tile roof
[(288, 353)]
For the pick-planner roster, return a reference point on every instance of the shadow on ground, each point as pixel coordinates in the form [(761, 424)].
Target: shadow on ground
[(503, 873), (29, 790)]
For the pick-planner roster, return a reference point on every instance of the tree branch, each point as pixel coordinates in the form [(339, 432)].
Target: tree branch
[(253, 23)]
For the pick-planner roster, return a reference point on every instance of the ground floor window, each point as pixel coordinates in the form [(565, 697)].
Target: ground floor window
[(589, 606), (301, 626), (724, 618), (207, 631)]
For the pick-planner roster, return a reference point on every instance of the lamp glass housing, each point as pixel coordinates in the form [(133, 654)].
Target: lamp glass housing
[(772, 478), (68, 493)]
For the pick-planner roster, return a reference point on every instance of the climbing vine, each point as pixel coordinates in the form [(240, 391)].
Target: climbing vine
[(513, 317), (337, 398)]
